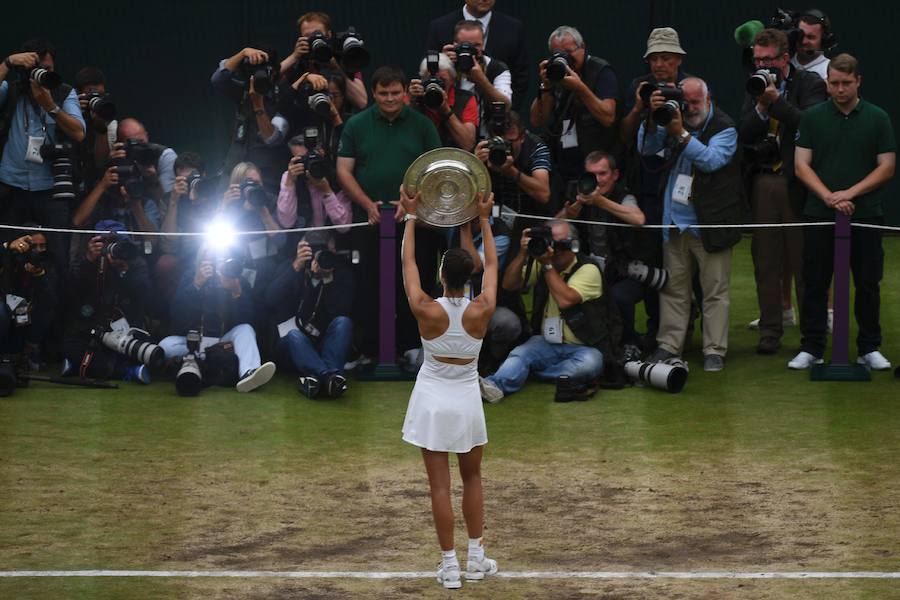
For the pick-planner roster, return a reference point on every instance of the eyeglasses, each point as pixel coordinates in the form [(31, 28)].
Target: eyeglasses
[(765, 60)]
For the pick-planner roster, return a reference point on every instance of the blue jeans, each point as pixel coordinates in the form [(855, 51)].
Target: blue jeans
[(547, 361), (324, 358)]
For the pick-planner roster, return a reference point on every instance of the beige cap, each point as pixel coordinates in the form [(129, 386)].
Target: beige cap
[(663, 39)]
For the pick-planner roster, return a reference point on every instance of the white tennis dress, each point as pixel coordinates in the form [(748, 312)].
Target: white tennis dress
[(445, 412)]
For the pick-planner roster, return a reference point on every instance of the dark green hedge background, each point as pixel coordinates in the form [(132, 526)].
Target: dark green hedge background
[(158, 56)]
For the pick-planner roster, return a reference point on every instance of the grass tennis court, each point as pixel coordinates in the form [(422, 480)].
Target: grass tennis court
[(750, 469)]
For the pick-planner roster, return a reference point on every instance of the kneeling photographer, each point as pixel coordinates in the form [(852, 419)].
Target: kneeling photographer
[(30, 287), (311, 297), (110, 290), (566, 290), (617, 250), (211, 316)]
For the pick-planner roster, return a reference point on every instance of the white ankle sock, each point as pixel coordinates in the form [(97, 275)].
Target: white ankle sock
[(448, 558), (476, 550)]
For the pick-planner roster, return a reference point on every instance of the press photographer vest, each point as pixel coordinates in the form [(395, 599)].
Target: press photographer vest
[(718, 197), (14, 94), (591, 134)]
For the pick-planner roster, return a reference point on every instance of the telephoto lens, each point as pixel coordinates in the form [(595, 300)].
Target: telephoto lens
[(465, 57), (231, 268), (587, 183), (120, 250), (653, 277), (540, 240), (663, 376), (253, 192), (320, 47), (132, 343), (102, 106), (189, 380), (352, 51), (499, 149), (434, 92), (46, 78), (665, 113), (320, 103), (326, 259), (759, 81)]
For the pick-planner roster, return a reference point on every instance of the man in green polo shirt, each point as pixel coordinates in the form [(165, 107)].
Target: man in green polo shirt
[(845, 154), (377, 146)]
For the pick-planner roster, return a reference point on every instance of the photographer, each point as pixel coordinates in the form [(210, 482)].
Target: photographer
[(503, 40), (768, 127), (217, 303), (131, 199), (456, 115), (521, 180), (249, 79), (31, 292), (39, 117), (311, 296), (191, 207), (703, 187), (562, 284), (245, 206), (614, 248), (301, 61), (325, 96), (308, 185), (576, 105), (488, 79), (100, 116), (133, 143), (110, 291)]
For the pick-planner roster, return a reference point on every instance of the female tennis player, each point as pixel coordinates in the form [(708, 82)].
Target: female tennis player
[(445, 412)]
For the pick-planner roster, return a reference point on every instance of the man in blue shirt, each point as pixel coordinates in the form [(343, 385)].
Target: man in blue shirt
[(703, 187), (33, 116)]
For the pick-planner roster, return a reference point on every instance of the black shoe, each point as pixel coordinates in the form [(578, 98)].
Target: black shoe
[(309, 386), (768, 345), (660, 355), (337, 385)]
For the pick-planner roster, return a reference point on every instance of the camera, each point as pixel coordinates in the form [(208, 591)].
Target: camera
[(142, 153), (264, 75), (497, 116), (117, 247), (766, 152), (499, 148), (189, 379), (350, 50), (758, 82), (540, 240), (231, 268), (466, 55), (586, 184), (320, 47), (253, 192), (204, 186), (101, 106), (558, 65), (60, 157), (45, 78), (133, 344), (788, 22), (315, 166), (434, 86), (670, 377), (653, 277), (674, 102), (326, 259)]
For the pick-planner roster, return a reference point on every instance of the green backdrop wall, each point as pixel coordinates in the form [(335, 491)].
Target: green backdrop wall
[(158, 56)]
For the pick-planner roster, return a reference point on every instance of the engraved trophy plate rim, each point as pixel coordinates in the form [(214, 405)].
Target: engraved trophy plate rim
[(442, 175)]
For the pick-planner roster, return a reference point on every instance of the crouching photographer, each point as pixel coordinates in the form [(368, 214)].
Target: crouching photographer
[(211, 313), (29, 284), (110, 288), (312, 297), (627, 264)]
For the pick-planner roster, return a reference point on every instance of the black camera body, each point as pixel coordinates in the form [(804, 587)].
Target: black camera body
[(497, 117), (117, 247), (252, 191), (760, 80), (204, 186), (499, 149), (433, 85), (101, 105), (350, 50), (265, 75), (143, 153), (540, 240), (57, 151), (558, 65), (326, 258), (674, 103), (764, 153), (45, 77), (320, 49), (466, 55)]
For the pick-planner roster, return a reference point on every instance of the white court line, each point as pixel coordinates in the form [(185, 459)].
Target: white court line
[(504, 574)]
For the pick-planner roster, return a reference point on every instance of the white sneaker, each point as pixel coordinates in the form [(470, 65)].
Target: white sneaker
[(804, 360), (476, 570), (489, 391), (788, 317), (754, 324), (874, 360), (830, 320), (256, 377), (449, 576)]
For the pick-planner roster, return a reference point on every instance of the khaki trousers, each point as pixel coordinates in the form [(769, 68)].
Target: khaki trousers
[(776, 250), (680, 254)]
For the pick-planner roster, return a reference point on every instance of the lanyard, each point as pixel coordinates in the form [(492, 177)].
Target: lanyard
[(42, 117)]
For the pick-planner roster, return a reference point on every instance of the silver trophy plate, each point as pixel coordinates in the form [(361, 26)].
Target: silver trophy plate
[(449, 180)]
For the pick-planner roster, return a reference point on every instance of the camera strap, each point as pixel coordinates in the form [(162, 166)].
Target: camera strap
[(315, 306)]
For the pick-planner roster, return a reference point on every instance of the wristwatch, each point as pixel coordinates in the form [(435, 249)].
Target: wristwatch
[(683, 138), (410, 217), (53, 111), (546, 268)]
